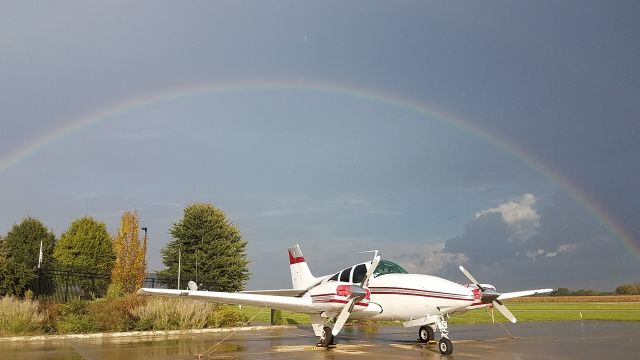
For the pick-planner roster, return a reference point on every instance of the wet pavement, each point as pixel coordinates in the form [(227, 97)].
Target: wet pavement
[(540, 340)]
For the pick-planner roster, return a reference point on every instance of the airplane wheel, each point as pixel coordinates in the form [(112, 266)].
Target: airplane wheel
[(445, 346), (425, 334), (327, 337)]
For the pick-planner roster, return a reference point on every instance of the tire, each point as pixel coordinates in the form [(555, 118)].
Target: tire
[(445, 346), (327, 337), (425, 334)]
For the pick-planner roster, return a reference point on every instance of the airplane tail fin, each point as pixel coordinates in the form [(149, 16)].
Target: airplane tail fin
[(301, 275)]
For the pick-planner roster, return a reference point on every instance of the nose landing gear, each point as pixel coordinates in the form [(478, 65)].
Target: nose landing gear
[(426, 334)]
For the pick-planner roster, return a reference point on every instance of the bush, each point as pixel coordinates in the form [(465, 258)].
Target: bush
[(51, 312), (226, 317), (116, 314), (114, 291), (277, 318), (19, 316), (77, 324), (75, 319), (172, 314)]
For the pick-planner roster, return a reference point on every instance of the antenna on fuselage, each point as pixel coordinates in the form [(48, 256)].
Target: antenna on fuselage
[(375, 252)]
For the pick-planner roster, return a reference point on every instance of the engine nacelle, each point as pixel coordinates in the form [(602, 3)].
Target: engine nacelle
[(337, 294)]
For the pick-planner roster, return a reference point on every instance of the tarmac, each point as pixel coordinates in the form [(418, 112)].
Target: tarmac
[(534, 340)]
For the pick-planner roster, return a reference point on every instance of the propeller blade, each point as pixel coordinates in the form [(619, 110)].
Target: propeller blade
[(374, 265), (343, 317), (470, 277), (348, 308), (504, 311), (510, 295)]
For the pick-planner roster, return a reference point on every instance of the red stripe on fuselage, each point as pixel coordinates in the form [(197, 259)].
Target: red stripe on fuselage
[(340, 302), (419, 292)]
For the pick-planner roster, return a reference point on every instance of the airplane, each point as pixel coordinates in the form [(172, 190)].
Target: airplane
[(376, 290)]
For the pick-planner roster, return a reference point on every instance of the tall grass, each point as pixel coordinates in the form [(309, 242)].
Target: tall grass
[(173, 314), (20, 316)]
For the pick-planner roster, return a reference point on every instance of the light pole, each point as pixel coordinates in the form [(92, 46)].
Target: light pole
[(144, 246)]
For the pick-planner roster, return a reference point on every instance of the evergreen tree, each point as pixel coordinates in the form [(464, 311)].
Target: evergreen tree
[(19, 253), (205, 237), (129, 268)]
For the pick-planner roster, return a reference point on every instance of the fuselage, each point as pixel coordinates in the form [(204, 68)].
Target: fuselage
[(394, 295), (411, 296)]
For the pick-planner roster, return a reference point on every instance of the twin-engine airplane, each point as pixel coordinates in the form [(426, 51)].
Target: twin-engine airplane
[(377, 290)]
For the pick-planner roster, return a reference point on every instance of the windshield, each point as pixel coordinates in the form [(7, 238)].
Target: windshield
[(388, 267)]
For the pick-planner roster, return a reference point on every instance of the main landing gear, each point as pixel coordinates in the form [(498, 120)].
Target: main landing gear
[(327, 339), (426, 334)]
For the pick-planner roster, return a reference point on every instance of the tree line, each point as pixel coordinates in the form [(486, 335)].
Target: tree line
[(205, 240)]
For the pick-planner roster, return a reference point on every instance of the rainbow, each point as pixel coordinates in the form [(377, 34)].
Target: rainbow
[(421, 108)]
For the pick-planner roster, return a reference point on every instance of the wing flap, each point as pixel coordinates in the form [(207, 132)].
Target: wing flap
[(277, 292)]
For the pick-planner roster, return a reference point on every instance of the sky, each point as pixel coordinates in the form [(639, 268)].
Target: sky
[(498, 135)]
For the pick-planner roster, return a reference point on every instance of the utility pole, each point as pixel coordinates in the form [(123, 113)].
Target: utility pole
[(178, 268)]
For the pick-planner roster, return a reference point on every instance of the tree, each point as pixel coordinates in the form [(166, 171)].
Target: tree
[(207, 239), (86, 247), (129, 268), (19, 253), (626, 289)]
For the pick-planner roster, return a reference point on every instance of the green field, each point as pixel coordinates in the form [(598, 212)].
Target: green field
[(524, 311), (548, 311)]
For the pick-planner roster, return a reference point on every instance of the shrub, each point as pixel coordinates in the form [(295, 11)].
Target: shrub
[(172, 314), (114, 291), (19, 316), (51, 312), (75, 319), (77, 324), (226, 317), (277, 318), (74, 307), (116, 314)]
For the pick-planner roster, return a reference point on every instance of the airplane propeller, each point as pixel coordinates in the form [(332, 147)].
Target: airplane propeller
[(357, 293), (490, 296)]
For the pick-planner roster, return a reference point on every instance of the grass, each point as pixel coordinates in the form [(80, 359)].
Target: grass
[(137, 313), (524, 311), (260, 315), (553, 311)]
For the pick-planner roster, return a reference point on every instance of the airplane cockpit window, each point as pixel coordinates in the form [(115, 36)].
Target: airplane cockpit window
[(334, 277), (344, 275), (359, 273), (388, 267)]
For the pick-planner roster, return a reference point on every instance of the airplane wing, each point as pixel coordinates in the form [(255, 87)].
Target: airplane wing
[(515, 294), (277, 292), (296, 304)]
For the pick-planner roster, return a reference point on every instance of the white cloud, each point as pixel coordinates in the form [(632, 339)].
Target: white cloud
[(422, 258), (519, 214), (565, 248)]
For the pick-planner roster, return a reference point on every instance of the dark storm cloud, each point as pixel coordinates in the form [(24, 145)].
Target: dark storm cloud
[(571, 248)]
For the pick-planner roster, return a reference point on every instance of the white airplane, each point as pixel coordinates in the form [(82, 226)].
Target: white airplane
[(377, 290)]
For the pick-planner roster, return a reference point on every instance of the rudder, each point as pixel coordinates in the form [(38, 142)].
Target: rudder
[(301, 275)]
